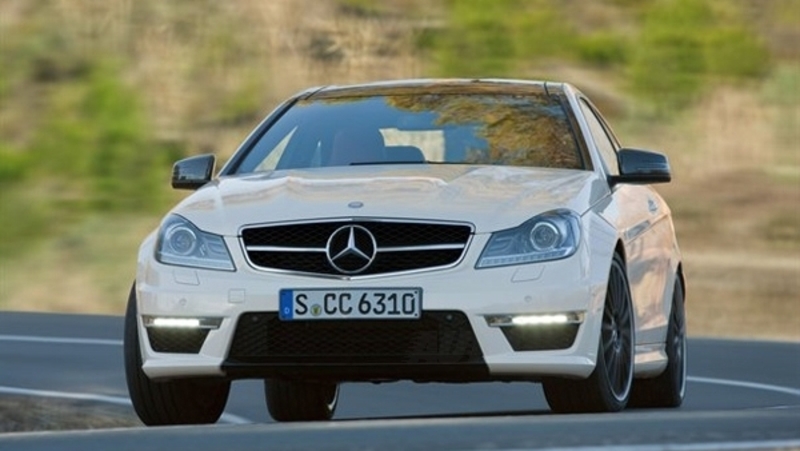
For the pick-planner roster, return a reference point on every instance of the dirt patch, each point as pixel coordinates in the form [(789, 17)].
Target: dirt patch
[(22, 414), (747, 210), (743, 296), (740, 236)]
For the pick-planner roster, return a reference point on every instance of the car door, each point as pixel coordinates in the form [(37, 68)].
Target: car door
[(642, 221)]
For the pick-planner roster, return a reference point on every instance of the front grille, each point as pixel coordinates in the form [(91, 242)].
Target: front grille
[(180, 341), (541, 338), (400, 246), (437, 337)]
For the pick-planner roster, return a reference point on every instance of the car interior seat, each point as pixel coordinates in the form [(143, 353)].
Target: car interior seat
[(357, 145)]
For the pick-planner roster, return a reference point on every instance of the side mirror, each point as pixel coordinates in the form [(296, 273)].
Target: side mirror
[(642, 167), (193, 172)]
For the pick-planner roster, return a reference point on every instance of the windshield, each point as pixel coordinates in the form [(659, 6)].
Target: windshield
[(513, 130)]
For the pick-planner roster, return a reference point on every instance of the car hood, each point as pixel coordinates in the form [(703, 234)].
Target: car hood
[(490, 197)]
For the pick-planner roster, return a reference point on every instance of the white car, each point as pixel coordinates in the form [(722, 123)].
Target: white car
[(424, 230)]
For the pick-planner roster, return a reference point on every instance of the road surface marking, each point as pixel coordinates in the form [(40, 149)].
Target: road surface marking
[(707, 446), (697, 379), (117, 400), (61, 340), (745, 384)]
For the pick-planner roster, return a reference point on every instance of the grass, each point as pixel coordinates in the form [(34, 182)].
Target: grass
[(740, 235), (735, 200), (87, 269), (743, 295)]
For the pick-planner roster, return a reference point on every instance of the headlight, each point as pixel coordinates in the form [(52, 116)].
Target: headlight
[(181, 243), (549, 236)]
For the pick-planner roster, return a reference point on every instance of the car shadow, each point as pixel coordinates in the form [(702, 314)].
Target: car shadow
[(442, 416)]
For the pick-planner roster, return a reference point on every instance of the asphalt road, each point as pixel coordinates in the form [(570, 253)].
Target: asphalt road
[(741, 395)]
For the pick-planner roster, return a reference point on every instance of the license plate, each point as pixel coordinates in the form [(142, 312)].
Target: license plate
[(373, 303)]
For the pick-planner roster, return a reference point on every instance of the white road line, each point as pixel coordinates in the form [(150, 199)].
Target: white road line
[(710, 446), (226, 417), (61, 340), (117, 400), (65, 395), (104, 342), (745, 384)]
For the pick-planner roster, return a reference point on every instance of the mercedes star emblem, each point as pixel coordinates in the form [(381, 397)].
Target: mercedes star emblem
[(351, 249)]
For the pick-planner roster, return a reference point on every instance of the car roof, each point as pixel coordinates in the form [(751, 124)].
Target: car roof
[(437, 86)]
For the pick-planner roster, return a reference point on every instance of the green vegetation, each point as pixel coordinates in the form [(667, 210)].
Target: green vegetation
[(685, 45), (89, 125), (97, 98), (782, 90), (492, 38), (89, 151), (670, 49)]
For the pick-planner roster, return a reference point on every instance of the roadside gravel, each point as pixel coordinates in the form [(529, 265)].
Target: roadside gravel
[(23, 414)]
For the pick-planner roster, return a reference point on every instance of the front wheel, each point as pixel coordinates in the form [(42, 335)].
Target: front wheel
[(177, 401), (301, 400), (608, 388), (668, 388)]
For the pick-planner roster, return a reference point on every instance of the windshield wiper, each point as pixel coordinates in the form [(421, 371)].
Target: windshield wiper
[(368, 163)]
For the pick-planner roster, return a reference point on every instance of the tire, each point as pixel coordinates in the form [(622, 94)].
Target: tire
[(300, 400), (608, 388), (177, 401), (669, 388)]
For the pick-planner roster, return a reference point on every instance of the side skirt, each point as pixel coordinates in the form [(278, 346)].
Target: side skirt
[(650, 361)]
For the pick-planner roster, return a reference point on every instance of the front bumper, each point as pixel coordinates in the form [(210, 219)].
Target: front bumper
[(480, 352)]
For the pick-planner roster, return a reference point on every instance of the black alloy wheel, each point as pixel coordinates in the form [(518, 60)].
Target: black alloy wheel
[(608, 388), (617, 334), (176, 401), (669, 388)]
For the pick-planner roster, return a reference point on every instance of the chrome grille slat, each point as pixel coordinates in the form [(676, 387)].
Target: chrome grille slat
[(283, 249), (430, 247)]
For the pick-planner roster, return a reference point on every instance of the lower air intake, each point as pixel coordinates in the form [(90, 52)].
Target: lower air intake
[(541, 338), (176, 340), (437, 337)]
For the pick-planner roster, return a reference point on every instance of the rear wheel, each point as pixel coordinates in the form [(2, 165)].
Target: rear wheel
[(300, 400), (668, 388), (177, 401), (608, 387)]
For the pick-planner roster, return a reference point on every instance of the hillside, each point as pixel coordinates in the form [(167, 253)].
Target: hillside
[(98, 98)]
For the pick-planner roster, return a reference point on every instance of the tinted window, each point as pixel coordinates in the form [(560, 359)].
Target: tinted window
[(603, 142), (515, 130)]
